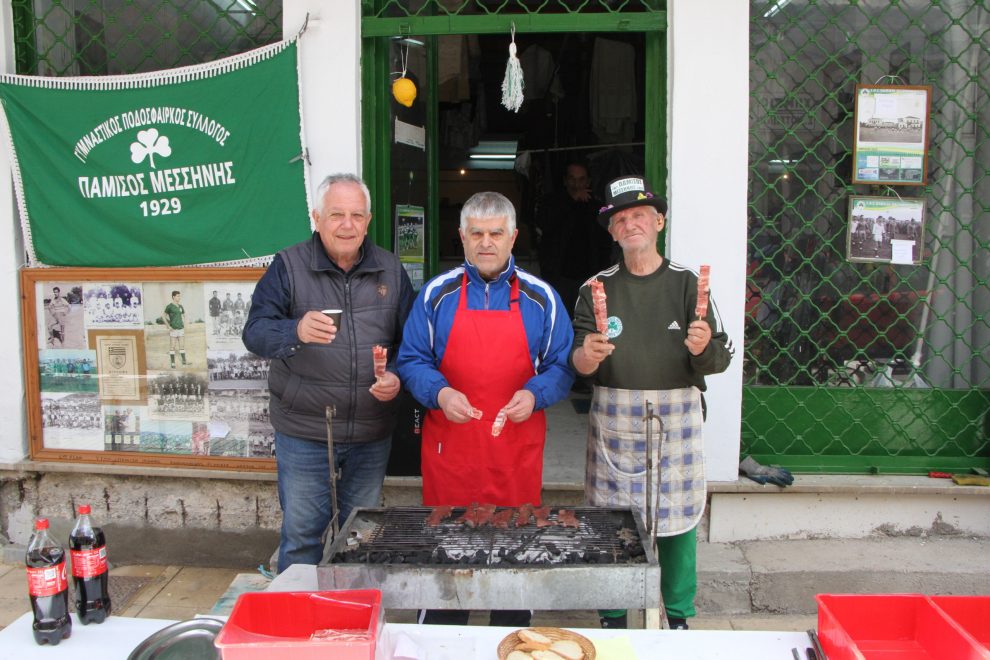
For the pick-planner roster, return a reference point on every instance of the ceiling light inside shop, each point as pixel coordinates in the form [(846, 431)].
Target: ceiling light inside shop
[(493, 154)]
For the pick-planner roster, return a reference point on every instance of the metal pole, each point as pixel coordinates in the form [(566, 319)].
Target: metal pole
[(650, 527), (335, 518), (659, 471), (652, 618)]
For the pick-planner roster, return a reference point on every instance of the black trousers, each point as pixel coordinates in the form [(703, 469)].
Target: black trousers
[(508, 618)]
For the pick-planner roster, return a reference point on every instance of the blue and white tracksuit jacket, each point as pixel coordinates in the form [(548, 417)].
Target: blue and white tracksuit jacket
[(548, 331)]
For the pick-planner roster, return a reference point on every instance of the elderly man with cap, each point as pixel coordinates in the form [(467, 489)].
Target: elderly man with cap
[(655, 350)]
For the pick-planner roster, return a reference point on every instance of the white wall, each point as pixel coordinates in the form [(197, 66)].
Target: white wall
[(709, 123), (329, 57), (13, 440)]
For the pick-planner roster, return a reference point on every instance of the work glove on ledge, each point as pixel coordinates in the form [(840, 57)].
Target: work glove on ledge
[(762, 474)]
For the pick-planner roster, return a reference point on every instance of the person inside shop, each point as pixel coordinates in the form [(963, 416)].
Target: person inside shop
[(573, 246), (656, 349), (485, 350), (316, 364)]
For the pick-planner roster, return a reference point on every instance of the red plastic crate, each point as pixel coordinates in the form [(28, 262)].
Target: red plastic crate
[(271, 625), (972, 613), (890, 627)]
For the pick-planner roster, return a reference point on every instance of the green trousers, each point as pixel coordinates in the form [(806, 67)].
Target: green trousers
[(678, 575)]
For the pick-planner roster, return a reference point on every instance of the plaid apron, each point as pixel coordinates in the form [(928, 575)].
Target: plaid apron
[(616, 469)]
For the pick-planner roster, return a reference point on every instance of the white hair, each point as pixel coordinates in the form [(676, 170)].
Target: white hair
[(484, 205), (321, 191)]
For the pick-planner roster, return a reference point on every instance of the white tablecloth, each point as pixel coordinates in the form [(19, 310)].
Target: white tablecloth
[(114, 638), (480, 643), (118, 636)]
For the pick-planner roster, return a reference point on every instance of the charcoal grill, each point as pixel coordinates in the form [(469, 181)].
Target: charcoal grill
[(603, 564)]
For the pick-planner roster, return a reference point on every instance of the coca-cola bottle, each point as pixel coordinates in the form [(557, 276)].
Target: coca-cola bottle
[(90, 576), (48, 586)]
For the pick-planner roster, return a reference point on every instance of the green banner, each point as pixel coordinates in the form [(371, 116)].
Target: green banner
[(188, 166)]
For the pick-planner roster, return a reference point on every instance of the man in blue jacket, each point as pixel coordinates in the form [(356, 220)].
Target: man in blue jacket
[(485, 349)]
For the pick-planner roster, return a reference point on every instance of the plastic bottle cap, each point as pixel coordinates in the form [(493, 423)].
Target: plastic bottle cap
[(41, 523), (84, 509)]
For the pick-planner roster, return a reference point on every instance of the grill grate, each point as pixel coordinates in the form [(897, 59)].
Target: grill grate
[(400, 535)]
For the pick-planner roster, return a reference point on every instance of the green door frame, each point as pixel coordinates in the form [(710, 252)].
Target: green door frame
[(376, 95)]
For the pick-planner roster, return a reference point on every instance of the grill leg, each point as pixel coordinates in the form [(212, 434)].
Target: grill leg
[(652, 619)]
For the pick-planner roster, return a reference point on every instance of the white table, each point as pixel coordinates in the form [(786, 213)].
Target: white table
[(118, 636), (114, 638), (480, 643)]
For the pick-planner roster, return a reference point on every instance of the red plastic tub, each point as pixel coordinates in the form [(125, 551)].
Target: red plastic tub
[(299, 625), (890, 627), (972, 613)]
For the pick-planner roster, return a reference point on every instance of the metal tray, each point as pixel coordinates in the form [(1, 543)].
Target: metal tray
[(185, 640)]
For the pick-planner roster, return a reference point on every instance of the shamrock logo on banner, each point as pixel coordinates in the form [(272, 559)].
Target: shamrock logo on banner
[(149, 143)]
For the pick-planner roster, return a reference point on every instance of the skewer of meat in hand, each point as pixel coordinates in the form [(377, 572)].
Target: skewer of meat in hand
[(701, 308), (379, 356), (598, 302), (498, 423)]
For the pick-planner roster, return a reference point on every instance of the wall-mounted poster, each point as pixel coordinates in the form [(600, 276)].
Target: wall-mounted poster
[(410, 241), (120, 363), (885, 229), (144, 366), (890, 141)]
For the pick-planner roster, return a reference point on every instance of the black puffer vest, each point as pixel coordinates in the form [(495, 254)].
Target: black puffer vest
[(339, 373)]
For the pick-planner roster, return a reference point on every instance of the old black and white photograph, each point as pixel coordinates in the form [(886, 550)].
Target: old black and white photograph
[(61, 322), (178, 395), (885, 229), (113, 305), (122, 427), (72, 420), (227, 307), (241, 423), (236, 370)]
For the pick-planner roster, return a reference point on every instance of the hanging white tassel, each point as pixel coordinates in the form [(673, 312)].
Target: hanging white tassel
[(512, 84)]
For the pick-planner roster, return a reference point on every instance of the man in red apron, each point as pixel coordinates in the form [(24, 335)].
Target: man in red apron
[(485, 349)]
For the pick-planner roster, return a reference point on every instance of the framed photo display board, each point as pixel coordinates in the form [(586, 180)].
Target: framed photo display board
[(889, 230), (144, 366), (890, 141)]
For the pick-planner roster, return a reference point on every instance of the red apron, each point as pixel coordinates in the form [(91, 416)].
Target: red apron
[(487, 359)]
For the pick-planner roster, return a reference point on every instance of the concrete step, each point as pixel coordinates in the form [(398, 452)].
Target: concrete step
[(783, 577)]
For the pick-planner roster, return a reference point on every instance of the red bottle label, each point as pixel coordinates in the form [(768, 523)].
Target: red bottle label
[(47, 581), (89, 563)]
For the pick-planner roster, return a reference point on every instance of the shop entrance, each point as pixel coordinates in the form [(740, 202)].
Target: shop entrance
[(593, 109), (595, 93)]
